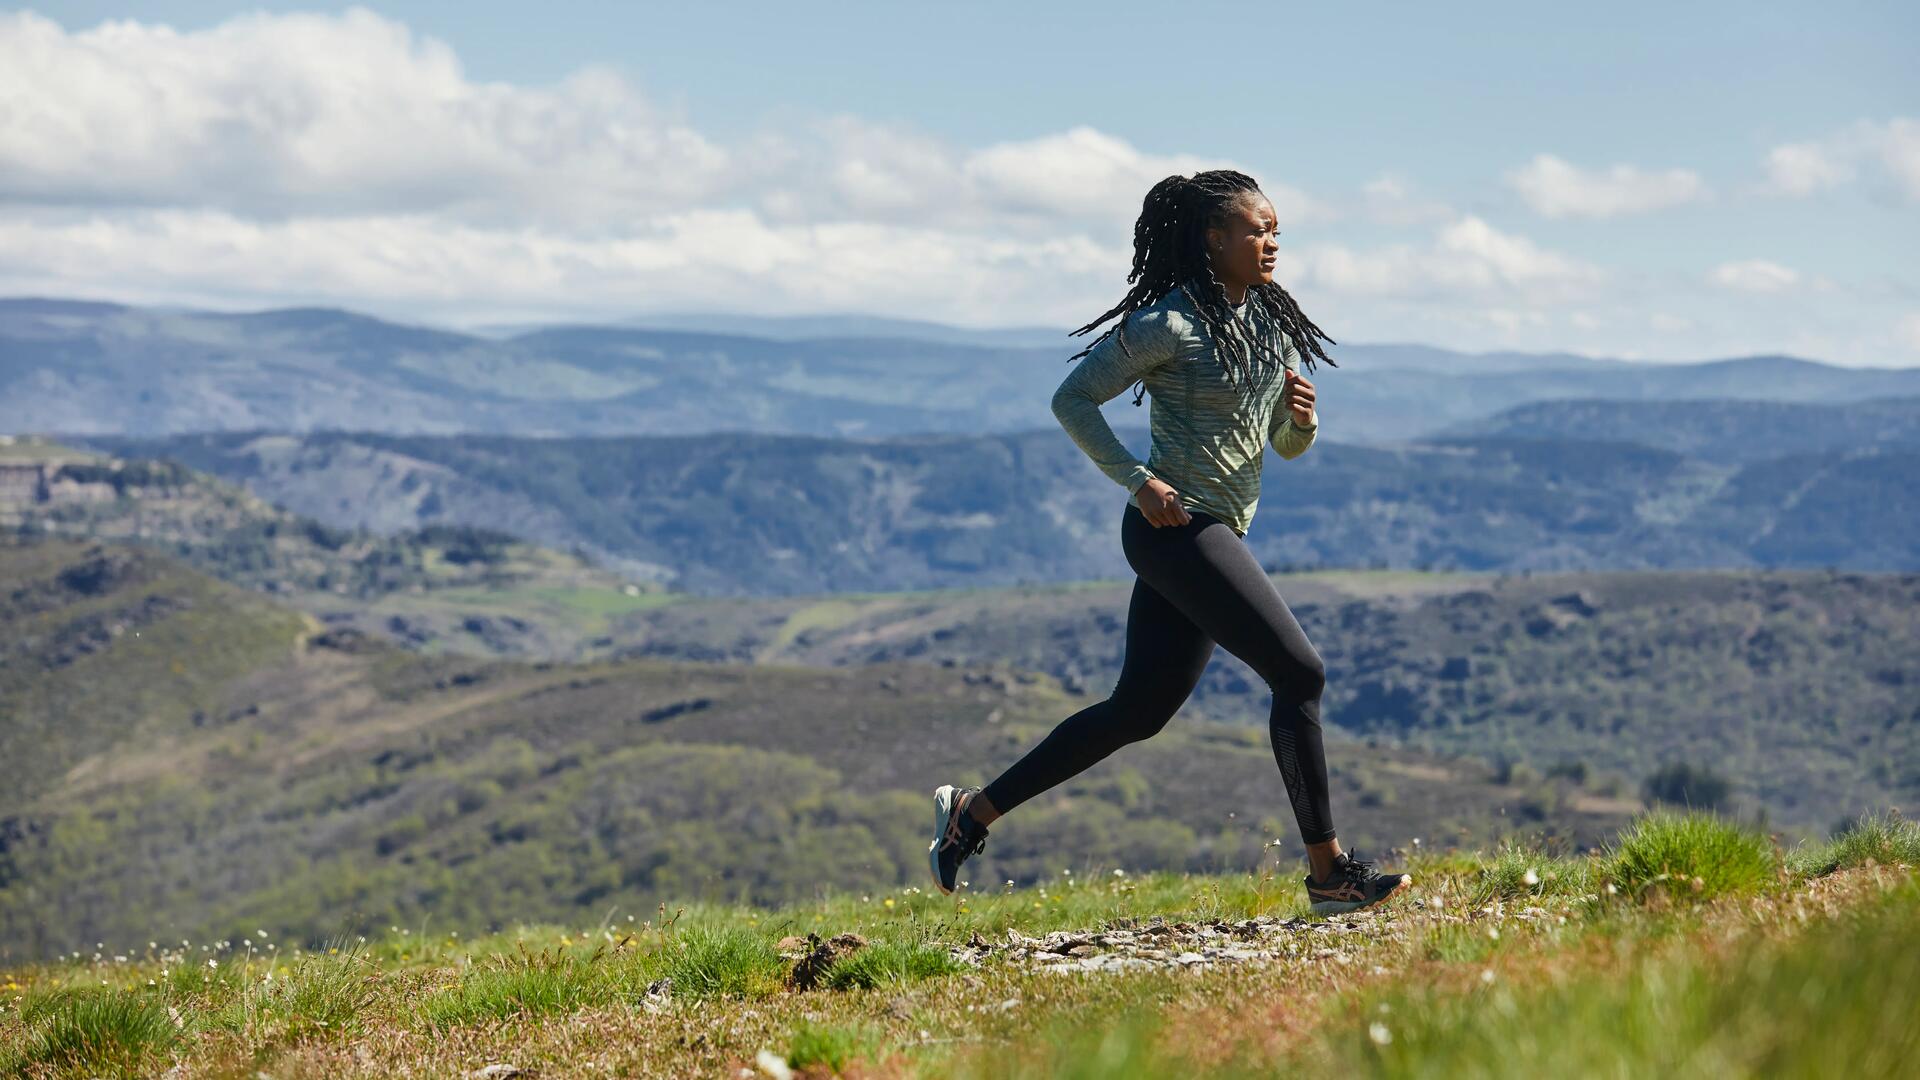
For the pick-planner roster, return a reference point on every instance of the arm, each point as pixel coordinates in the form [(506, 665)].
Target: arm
[(1100, 376), (1289, 438)]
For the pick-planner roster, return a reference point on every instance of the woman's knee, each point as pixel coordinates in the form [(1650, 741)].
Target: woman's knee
[(1298, 676), (1137, 717)]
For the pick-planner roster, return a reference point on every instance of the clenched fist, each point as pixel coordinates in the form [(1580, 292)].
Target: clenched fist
[(1296, 396)]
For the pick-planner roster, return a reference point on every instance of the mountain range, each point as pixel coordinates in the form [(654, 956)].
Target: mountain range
[(74, 367)]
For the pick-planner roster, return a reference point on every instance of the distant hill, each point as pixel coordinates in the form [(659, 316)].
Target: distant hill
[(189, 760), (1623, 672), (1736, 432), (464, 587), (760, 514), (73, 368)]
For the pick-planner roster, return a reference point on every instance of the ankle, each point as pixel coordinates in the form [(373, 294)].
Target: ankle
[(1321, 857), (980, 808)]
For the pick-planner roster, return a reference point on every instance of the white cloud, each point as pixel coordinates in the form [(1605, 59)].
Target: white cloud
[(1753, 275), (1390, 200), (1466, 259), (1907, 332), (1803, 168), (271, 115), (1556, 188)]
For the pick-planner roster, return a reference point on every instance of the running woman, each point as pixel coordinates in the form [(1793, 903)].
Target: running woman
[(1216, 341)]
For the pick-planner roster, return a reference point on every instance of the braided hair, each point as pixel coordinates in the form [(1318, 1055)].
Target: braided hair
[(1169, 252)]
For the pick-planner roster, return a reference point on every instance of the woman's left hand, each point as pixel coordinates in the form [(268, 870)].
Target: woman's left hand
[(1296, 396)]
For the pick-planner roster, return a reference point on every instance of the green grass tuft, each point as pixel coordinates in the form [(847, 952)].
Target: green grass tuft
[(888, 962), (1873, 838), (527, 984), (84, 1031), (706, 962), (1689, 856), (1516, 872)]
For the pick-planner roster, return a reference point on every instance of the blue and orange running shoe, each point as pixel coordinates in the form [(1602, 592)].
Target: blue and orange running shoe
[(1353, 884), (956, 835)]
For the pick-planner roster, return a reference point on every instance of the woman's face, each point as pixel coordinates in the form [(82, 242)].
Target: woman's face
[(1244, 246)]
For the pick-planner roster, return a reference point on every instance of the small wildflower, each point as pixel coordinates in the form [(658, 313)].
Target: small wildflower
[(1530, 877), (1416, 841), (1486, 975), (1378, 1032), (1493, 932), (1117, 872), (1610, 889), (212, 963), (888, 901)]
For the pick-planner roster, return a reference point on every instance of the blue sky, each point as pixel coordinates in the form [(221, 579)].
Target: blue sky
[(1660, 182)]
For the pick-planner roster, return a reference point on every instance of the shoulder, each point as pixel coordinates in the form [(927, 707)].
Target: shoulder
[(1170, 316)]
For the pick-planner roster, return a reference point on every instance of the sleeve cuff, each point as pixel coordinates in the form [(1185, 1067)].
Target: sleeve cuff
[(1137, 479)]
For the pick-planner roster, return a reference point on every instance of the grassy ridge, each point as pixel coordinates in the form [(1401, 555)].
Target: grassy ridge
[(1806, 968)]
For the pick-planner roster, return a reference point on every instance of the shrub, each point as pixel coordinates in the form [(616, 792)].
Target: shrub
[(1681, 784)]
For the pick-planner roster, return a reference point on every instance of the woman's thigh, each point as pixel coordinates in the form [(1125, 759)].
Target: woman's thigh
[(1166, 653), (1204, 569)]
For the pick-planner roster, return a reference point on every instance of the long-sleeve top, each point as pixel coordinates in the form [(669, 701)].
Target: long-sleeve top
[(1209, 436)]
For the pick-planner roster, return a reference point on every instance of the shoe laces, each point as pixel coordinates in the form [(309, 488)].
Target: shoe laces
[(958, 826), (1356, 868)]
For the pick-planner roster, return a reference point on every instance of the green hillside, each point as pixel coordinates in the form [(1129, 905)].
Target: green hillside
[(315, 780), (1798, 688)]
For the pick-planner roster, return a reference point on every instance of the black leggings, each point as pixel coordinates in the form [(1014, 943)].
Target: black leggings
[(1198, 586)]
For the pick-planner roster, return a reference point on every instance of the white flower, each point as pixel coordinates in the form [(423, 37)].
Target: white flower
[(1486, 975), (1378, 1032), (1530, 877)]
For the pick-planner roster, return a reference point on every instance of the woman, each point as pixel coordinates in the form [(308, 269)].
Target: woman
[(1217, 342)]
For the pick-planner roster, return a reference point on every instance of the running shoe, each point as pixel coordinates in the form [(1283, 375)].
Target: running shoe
[(956, 835), (1353, 884)]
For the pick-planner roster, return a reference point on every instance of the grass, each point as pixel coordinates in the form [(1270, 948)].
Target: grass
[(92, 1031), (1837, 1000), (710, 962), (1690, 855), (1500, 963), (1873, 838)]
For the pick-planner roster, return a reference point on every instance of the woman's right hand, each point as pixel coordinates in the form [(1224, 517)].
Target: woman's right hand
[(1161, 504)]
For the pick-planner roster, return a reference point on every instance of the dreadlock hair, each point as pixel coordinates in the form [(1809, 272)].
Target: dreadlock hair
[(1169, 252)]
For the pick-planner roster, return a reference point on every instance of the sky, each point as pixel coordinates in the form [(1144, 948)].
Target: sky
[(1645, 181)]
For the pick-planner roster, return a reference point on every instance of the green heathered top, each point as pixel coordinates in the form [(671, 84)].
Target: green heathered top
[(1209, 437)]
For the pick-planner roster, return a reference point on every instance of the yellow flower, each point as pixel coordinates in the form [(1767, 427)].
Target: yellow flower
[(888, 901)]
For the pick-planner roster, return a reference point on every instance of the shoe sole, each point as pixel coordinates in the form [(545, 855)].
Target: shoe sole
[(942, 810), (1341, 907)]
